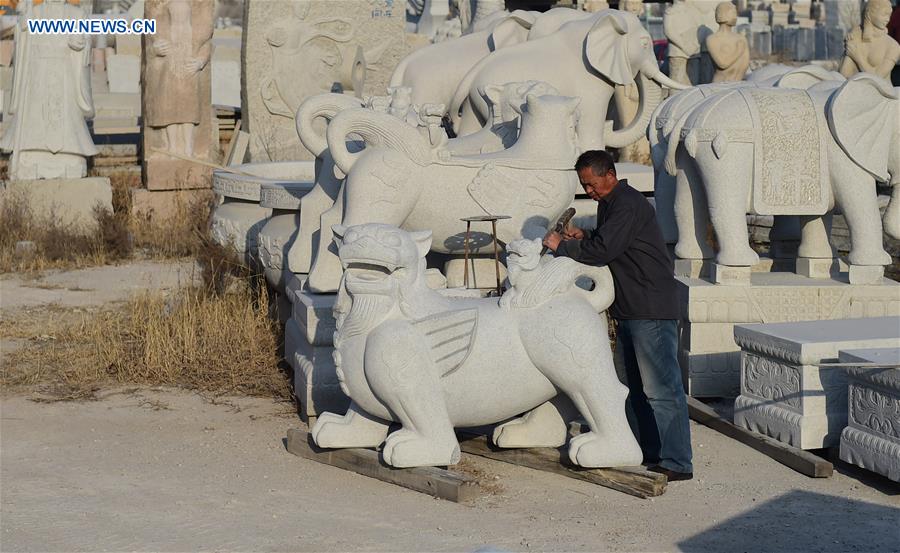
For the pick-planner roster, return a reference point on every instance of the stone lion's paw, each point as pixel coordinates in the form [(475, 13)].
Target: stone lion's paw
[(591, 451), (405, 448)]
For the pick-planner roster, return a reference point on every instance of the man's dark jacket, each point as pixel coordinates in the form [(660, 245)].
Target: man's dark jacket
[(629, 241)]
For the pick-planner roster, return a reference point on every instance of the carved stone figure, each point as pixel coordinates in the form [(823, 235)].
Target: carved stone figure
[(434, 72), (687, 24), (405, 353), (585, 58), (870, 48), (353, 49), (399, 179), (791, 152), (728, 50), (177, 54), (674, 192), (51, 98)]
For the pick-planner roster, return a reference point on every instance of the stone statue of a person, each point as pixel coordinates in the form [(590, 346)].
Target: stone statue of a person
[(687, 23), (729, 50), (51, 98), (177, 53), (870, 48)]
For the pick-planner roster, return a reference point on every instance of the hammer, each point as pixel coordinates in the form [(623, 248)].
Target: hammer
[(560, 225)]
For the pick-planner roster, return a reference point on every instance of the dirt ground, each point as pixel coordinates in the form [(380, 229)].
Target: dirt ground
[(169, 470)]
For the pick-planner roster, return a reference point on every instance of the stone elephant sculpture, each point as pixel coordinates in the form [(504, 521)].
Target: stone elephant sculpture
[(400, 179), (585, 58), (435, 71), (408, 354), (672, 190), (774, 151)]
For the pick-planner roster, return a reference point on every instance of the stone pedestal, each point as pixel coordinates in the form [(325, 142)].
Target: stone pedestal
[(67, 201), (708, 354), (785, 393), (277, 236), (294, 50), (871, 439)]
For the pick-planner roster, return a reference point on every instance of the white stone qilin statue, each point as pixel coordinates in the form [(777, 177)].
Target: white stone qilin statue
[(405, 353), (51, 98)]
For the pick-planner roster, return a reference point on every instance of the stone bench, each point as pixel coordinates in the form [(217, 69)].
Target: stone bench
[(871, 439), (785, 393)]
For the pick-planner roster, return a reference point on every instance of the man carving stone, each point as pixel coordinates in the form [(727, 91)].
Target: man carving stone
[(178, 52), (870, 49), (729, 50), (628, 240), (51, 98)]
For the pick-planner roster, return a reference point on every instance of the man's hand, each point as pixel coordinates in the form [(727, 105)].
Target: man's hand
[(573, 233), (552, 240)]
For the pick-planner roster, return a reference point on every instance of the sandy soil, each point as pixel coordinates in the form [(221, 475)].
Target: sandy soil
[(151, 470), (169, 471)]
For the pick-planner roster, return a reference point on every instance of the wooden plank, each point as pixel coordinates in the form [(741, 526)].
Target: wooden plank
[(438, 482), (634, 481), (802, 461)]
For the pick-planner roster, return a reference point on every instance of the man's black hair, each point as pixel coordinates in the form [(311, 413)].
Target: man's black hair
[(600, 161)]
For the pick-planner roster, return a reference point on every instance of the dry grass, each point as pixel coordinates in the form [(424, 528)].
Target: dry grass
[(216, 344)]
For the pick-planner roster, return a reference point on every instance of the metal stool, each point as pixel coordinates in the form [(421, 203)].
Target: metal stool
[(478, 219)]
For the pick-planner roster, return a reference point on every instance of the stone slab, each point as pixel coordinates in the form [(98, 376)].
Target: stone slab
[(226, 83), (313, 314), (786, 391), (161, 173), (123, 72), (69, 201), (871, 439), (817, 268)]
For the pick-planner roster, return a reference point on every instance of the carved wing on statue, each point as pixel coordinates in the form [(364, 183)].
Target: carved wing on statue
[(450, 335)]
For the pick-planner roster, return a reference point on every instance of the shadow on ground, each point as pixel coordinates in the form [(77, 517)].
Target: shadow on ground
[(784, 523)]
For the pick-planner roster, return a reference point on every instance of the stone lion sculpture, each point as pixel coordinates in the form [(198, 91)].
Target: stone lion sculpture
[(408, 354)]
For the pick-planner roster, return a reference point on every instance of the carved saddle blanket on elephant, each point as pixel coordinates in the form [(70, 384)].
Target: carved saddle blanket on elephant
[(789, 136)]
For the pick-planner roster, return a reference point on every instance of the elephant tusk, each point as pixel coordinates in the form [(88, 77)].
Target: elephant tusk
[(665, 81)]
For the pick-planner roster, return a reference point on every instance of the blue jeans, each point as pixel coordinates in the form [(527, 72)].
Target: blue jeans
[(647, 362)]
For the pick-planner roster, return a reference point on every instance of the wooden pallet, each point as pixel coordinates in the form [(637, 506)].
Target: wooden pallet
[(802, 461), (634, 481), (442, 483)]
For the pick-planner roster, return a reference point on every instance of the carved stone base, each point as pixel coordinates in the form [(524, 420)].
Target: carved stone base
[(315, 379), (314, 317), (872, 437), (730, 276), (817, 268), (162, 173), (709, 313), (693, 268), (866, 274), (67, 201), (785, 392)]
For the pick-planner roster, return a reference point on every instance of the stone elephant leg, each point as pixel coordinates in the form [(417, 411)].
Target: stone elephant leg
[(691, 210), (547, 425), (664, 200), (854, 191), (402, 375), (578, 362), (814, 236), (727, 183), (354, 429)]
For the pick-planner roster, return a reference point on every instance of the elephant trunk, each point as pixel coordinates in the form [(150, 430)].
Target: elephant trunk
[(376, 129), (650, 95), (892, 213), (321, 105)]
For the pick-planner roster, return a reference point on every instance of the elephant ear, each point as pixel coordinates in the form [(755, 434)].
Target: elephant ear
[(606, 47), (513, 29), (861, 121)]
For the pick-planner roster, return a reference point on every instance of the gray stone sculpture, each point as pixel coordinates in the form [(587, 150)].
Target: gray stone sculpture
[(728, 50), (687, 24), (585, 58), (870, 48), (792, 152), (51, 98), (400, 179), (405, 353)]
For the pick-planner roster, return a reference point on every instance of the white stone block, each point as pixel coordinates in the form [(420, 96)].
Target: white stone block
[(124, 74), (871, 439), (315, 379), (313, 314), (730, 276), (817, 268), (711, 374), (868, 274), (226, 83), (785, 393), (68, 201)]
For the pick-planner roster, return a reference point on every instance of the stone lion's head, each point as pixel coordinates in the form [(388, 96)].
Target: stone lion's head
[(380, 259)]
